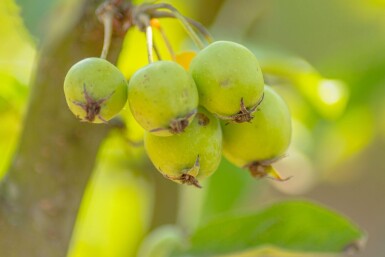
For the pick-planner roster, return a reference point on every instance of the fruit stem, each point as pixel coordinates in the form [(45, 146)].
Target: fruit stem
[(202, 29), (168, 44), (264, 170), (150, 46), (145, 26), (106, 14), (156, 50), (166, 40), (107, 35), (186, 25)]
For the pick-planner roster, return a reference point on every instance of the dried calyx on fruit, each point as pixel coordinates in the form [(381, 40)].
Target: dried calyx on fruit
[(191, 156), (229, 80), (163, 98), (95, 90), (258, 144), (184, 141)]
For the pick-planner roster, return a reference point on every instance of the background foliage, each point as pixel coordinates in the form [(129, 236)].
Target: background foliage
[(327, 58)]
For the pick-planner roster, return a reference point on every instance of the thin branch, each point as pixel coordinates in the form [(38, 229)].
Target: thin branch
[(144, 25), (156, 50), (197, 25), (167, 42), (107, 21), (149, 41), (106, 13), (186, 25)]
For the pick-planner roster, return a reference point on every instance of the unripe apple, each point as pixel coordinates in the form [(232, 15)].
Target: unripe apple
[(95, 90), (190, 156), (262, 141), (229, 80), (163, 98)]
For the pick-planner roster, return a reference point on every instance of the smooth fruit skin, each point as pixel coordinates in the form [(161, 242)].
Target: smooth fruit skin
[(225, 72), (265, 138), (97, 80), (176, 154), (160, 93)]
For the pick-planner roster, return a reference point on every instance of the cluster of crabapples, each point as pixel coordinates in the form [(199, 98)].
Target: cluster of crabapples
[(219, 106)]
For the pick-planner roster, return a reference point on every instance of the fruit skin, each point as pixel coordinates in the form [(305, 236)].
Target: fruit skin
[(175, 155), (97, 85), (225, 72), (265, 138), (161, 93)]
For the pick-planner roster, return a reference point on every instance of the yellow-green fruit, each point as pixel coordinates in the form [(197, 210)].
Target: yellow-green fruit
[(225, 73), (95, 90), (189, 156), (163, 98), (264, 139)]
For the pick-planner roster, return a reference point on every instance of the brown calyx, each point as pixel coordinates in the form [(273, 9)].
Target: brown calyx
[(186, 179), (92, 107), (188, 175), (177, 125), (257, 170), (263, 169), (189, 180), (244, 114), (203, 120)]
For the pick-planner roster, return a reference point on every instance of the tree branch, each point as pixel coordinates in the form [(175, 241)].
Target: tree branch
[(40, 196)]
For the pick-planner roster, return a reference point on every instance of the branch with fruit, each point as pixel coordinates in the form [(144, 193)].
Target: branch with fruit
[(220, 104)]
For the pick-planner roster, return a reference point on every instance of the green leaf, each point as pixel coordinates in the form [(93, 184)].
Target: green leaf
[(199, 207), (290, 226), (239, 185), (13, 95), (35, 14), (51, 18), (161, 242)]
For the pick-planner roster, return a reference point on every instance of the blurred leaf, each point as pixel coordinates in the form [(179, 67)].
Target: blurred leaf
[(197, 207), (16, 49), (116, 209), (161, 242), (191, 206), (299, 167), (9, 131), (133, 131), (185, 58), (344, 139), (35, 14), (275, 252), (13, 94), (382, 121), (290, 226), (328, 97), (12, 101), (121, 150), (229, 181)]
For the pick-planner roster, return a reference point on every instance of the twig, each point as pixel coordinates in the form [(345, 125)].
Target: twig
[(107, 22), (156, 50), (155, 23), (186, 25), (106, 13), (149, 44), (204, 32)]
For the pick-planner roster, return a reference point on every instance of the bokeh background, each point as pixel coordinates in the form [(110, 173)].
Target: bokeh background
[(326, 58)]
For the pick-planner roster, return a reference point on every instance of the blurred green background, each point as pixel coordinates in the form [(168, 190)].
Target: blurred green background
[(326, 58)]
